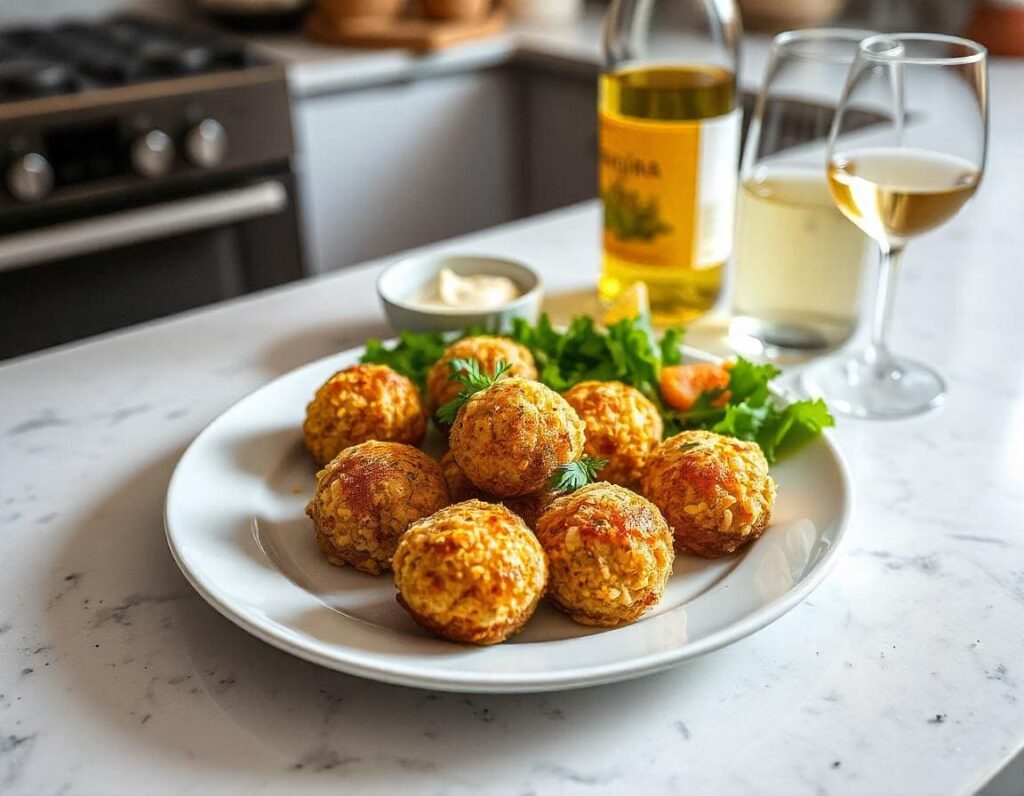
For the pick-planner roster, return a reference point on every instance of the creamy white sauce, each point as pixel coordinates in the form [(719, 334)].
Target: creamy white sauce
[(474, 292)]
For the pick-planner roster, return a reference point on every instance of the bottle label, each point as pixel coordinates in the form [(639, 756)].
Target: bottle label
[(669, 189)]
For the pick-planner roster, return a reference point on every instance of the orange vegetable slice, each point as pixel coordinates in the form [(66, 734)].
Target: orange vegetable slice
[(681, 385)]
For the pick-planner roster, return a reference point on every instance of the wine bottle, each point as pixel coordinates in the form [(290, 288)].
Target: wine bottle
[(669, 149)]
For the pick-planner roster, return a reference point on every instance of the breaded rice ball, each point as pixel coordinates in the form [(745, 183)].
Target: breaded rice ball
[(359, 403), (528, 507), (623, 427), (460, 487), (510, 438), (366, 498), (486, 350), (714, 491), (472, 572), (609, 554)]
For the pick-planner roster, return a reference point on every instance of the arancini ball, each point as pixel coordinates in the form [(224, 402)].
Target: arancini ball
[(360, 403), (485, 349), (472, 572), (367, 496), (610, 554), (715, 491), (623, 427), (528, 507), (511, 437), (459, 486)]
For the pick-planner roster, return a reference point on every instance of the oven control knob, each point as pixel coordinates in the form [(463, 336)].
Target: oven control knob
[(152, 154), (206, 144), (30, 178)]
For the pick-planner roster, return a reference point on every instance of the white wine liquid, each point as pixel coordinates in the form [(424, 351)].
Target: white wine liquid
[(798, 262), (669, 141), (896, 193)]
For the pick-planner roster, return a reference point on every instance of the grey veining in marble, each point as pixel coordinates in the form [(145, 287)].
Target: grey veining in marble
[(902, 674)]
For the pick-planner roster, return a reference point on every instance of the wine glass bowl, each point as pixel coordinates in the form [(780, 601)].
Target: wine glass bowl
[(895, 194), (798, 262), (897, 180)]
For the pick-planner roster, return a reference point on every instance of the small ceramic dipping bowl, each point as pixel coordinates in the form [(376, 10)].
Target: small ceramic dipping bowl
[(402, 281)]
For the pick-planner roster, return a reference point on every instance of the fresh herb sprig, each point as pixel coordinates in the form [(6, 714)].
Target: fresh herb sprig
[(629, 351), (571, 476), (468, 373)]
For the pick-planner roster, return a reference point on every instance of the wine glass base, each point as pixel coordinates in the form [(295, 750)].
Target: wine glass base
[(861, 386), (783, 341)]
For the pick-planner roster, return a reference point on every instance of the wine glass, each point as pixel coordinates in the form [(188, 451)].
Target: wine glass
[(898, 179), (797, 260)]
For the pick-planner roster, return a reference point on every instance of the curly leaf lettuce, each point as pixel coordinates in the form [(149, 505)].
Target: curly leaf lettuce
[(630, 351), (752, 412)]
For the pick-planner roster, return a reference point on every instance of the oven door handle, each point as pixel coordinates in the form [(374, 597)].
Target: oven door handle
[(87, 236)]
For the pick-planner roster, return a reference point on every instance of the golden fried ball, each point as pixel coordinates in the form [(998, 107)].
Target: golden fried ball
[(510, 438), (359, 403), (486, 350), (367, 496), (528, 507), (609, 554), (714, 491), (623, 426), (472, 572), (460, 487)]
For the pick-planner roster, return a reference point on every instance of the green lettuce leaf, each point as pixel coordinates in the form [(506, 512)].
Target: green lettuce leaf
[(413, 355), (631, 352), (753, 413)]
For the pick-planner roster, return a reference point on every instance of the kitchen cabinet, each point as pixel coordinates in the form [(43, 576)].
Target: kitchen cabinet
[(561, 138), (398, 165), (387, 167)]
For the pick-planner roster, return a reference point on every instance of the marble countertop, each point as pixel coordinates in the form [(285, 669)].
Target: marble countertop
[(904, 673)]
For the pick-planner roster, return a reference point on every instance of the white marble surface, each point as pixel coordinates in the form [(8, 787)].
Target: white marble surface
[(903, 674)]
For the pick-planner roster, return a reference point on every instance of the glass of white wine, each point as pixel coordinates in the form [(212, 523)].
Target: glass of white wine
[(798, 261), (897, 180)]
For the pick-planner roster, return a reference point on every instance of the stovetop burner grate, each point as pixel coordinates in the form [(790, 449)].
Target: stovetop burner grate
[(79, 56)]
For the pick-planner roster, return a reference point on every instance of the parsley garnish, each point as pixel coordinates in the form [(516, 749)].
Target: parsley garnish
[(469, 374), (571, 476), (629, 351), (413, 355)]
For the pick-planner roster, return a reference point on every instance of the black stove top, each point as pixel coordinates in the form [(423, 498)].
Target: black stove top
[(73, 57)]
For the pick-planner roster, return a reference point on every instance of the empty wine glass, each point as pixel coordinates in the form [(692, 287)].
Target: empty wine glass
[(898, 179)]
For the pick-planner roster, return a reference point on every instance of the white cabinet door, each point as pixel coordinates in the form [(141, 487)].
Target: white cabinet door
[(390, 167), (561, 139)]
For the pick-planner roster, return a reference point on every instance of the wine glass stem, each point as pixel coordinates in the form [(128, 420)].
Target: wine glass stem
[(888, 273)]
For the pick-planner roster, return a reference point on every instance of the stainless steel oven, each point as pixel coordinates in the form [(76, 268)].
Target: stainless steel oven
[(145, 170)]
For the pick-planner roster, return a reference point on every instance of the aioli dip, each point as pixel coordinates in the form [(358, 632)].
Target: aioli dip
[(449, 291)]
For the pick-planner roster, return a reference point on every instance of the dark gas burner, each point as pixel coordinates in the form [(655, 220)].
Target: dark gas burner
[(76, 56), (26, 78), (171, 58)]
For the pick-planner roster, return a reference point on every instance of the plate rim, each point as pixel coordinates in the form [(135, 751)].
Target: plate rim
[(531, 682)]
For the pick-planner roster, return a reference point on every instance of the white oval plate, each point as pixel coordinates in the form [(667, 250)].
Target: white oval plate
[(236, 526)]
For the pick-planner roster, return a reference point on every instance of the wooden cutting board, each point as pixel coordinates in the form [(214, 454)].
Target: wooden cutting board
[(412, 32)]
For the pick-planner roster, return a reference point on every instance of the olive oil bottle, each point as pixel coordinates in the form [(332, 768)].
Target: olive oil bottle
[(669, 149)]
